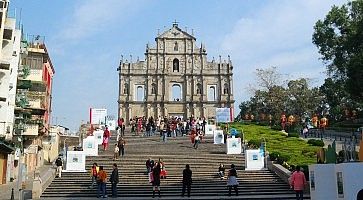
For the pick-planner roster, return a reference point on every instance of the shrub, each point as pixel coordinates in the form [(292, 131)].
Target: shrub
[(283, 158), (274, 155), (254, 143), (276, 127), (293, 135), (318, 143)]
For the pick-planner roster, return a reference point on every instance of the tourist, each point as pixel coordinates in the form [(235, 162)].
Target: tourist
[(106, 137), (94, 173), (148, 165), (116, 152), (101, 181), (132, 124), (114, 180), (221, 171), (298, 183), (59, 165), (196, 141), (121, 145), (187, 180), (148, 130), (118, 131), (156, 179), (232, 180), (163, 172)]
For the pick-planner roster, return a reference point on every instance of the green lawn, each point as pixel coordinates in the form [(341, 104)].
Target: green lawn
[(298, 151)]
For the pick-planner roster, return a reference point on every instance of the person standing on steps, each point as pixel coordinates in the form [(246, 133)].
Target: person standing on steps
[(94, 172), (116, 152), (298, 183), (114, 180), (187, 180), (156, 179), (101, 181), (106, 138), (121, 145), (59, 165), (232, 180)]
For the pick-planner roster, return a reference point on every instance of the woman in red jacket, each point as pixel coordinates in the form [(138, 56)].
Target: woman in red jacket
[(298, 183)]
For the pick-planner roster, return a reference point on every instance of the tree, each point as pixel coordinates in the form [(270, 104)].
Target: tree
[(301, 99), (339, 38)]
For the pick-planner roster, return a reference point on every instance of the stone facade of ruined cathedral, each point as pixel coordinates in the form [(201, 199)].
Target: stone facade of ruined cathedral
[(175, 79)]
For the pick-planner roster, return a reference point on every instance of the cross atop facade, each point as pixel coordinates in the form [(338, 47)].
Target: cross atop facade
[(175, 23)]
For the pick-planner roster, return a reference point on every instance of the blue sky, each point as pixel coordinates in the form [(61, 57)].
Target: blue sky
[(85, 39)]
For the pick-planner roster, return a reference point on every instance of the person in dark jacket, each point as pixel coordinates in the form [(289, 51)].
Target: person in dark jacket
[(59, 164), (187, 180), (114, 180), (156, 179)]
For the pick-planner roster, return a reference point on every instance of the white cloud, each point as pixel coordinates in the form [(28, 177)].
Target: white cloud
[(279, 34), (94, 16)]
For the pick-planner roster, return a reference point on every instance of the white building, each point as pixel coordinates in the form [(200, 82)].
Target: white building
[(9, 62)]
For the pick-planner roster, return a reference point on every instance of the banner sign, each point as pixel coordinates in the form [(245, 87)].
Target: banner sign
[(98, 136), (218, 137), (111, 124), (254, 159), (223, 115), (97, 116), (234, 146), (76, 161), (209, 129), (90, 147)]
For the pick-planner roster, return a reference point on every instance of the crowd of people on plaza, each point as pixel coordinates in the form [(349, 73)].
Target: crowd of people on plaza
[(156, 170)]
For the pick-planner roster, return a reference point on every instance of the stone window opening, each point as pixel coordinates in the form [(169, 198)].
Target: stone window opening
[(176, 92), (126, 88), (199, 88), (176, 46), (153, 88), (140, 93), (212, 93), (226, 89), (175, 65)]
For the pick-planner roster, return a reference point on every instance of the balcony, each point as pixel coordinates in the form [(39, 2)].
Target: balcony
[(38, 86), (31, 130), (24, 84)]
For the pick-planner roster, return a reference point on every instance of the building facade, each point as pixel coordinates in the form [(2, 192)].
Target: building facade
[(9, 62), (175, 79), (34, 99)]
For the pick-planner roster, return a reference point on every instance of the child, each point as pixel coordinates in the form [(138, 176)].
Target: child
[(116, 152)]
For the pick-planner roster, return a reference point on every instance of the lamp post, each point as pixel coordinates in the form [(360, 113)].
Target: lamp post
[(20, 166), (65, 151)]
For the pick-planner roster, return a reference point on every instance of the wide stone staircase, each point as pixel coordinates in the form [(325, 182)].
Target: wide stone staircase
[(175, 153)]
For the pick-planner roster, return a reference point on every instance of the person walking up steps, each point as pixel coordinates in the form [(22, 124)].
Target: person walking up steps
[(156, 179), (298, 183), (94, 172), (114, 180), (59, 164), (106, 138), (121, 145), (187, 180), (101, 181), (116, 152), (232, 180)]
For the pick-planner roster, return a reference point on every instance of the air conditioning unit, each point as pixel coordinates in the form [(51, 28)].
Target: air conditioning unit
[(8, 129), (14, 53), (11, 85)]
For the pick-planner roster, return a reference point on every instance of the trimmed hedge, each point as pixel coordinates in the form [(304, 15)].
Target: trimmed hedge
[(293, 135), (318, 143)]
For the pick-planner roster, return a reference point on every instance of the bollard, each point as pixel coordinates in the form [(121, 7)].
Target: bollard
[(12, 194)]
